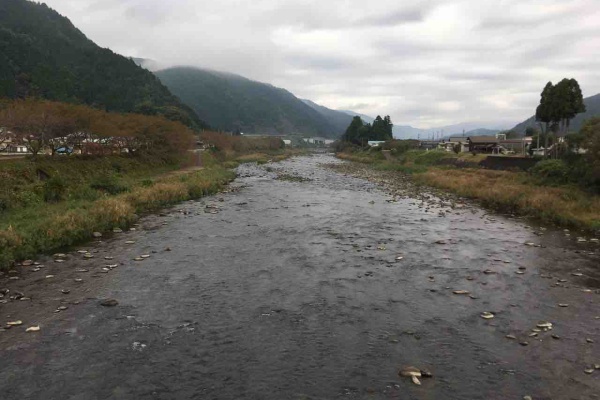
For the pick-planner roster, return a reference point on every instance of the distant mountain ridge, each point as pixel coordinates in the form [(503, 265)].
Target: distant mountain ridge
[(231, 102), (592, 105), (338, 119), (365, 118), (43, 54), (468, 128)]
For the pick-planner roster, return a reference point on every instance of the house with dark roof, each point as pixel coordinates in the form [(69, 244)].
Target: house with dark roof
[(517, 146), (482, 144), (461, 141)]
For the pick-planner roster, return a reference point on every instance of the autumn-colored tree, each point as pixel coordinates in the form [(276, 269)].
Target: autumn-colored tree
[(51, 126), (29, 121)]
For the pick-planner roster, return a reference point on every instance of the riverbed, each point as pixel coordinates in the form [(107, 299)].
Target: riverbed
[(306, 282)]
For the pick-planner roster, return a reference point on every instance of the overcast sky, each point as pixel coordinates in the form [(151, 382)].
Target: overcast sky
[(427, 63)]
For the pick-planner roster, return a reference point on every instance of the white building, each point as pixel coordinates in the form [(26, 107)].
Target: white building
[(318, 141)]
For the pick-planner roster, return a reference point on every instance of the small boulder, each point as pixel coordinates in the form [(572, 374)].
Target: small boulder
[(109, 303)]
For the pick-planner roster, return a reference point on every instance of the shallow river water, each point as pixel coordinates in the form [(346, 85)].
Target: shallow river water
[(291, 289)]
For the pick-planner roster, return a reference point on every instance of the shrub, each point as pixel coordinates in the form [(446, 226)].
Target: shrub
[(345, 147), (551, 171), (583, 173), (398, 147), (431, 157), (108, 184), (55, 189)]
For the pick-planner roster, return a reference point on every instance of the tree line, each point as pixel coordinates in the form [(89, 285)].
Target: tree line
[(44, 126), (360, 133)]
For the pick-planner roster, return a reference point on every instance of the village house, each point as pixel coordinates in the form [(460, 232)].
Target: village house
[(516, 146), (319, 141), (9, 145), (14, 148), (499, 144), (429, 144), (482, 144), (454, 142)]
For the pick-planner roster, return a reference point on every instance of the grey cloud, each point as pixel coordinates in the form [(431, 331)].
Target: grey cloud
[(395, 18), (358, 106), (424, 62), (318, 62), (145, 14)]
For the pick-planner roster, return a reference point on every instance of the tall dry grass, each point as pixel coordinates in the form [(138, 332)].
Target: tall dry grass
[(514, 192)]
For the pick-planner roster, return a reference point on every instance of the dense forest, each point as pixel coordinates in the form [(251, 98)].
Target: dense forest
[(43, 55), (234, 103)]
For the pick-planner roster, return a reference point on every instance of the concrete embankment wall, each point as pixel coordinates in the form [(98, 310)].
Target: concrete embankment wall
[(508, 163)]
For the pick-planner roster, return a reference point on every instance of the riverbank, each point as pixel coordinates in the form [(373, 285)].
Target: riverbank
[(504, 191), (54, 202)]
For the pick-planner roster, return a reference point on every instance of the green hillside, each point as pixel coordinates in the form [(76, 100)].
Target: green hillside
[(231, 102), (592, 105), (338, 119), (42, 54)]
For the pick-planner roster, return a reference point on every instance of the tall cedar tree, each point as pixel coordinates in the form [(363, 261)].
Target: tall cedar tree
[(559, 104), (360, 133)]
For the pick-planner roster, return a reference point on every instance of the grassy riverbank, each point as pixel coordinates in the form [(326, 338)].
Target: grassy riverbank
[(521, 193), (53, 202)]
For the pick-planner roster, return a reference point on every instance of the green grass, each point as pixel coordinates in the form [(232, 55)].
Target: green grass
[(35, 183), (394, 166), (33, 230), (408, 158)]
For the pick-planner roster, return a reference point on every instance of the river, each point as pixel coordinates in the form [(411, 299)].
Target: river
[(302, 282)]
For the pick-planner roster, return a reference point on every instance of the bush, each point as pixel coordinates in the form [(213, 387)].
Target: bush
[(421, 157), (398, 147), (108, 184), (551, 171), (4, 204), (583, 173), (345, 147), (55, 189)]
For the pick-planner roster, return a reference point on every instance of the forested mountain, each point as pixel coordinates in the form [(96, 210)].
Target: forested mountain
[(231, 102), (42, 54), (592, 105), (366, 118), (338, 119)]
